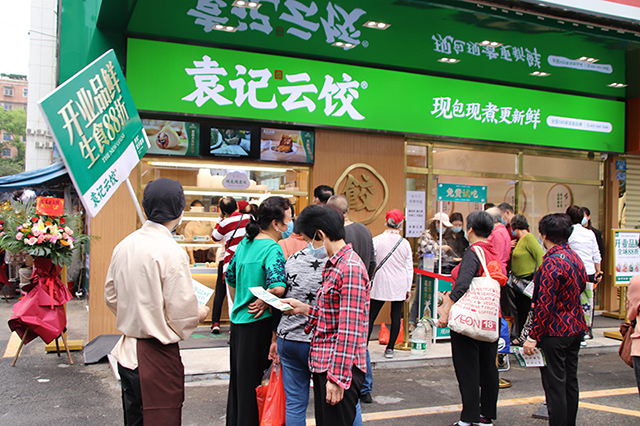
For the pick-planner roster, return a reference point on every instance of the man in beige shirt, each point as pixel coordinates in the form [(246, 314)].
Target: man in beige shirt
[(149, 289)]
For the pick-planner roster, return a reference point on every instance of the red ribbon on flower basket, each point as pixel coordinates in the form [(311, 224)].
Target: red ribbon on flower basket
[(42, 310), (47, 275)]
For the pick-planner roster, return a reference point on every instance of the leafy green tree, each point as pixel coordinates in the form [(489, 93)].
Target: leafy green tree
[(15, 122)]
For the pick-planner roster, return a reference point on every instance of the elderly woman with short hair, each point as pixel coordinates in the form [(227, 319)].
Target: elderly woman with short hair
[(558, 322)]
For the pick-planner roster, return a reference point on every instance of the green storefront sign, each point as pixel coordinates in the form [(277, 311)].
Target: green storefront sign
[(225, 83), (97, 129), (420, 35), (463, 193)]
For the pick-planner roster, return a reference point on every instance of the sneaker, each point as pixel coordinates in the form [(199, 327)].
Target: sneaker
[(366, 398), (388, 353), (460, 424), (215, 328), (588, 335), (485, 421)]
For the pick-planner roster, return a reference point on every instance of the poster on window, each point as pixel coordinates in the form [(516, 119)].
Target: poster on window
[(415, 213), (626, 255)]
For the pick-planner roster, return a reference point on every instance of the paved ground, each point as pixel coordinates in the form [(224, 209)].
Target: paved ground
[(43, 389)]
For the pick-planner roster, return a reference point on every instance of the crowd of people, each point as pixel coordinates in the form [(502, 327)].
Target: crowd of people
[(337, 277)]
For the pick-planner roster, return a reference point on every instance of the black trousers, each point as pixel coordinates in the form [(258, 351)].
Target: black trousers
[(131, 396), (249, 358), (344, 412), (220, 294), (560, 378), (477, 374), (523, 306), (396, 314)]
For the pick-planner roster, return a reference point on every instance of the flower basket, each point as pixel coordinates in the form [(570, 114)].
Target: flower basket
[(50, 240)]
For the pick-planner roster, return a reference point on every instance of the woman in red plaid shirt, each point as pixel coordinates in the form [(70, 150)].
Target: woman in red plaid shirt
[(339, 322)]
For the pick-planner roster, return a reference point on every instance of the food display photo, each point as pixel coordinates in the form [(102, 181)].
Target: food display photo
[(172, 137), (230, 142), (286, 145)]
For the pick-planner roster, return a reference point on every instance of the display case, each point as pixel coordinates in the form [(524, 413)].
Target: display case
[(204, 181)]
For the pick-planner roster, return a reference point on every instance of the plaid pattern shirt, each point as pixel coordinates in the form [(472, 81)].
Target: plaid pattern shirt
[(340, 321)]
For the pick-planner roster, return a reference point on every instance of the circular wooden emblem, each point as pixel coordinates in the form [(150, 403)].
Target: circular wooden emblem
[(366, 191)]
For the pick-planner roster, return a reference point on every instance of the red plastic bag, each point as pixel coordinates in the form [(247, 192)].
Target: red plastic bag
[(271, 399), (385, 334)]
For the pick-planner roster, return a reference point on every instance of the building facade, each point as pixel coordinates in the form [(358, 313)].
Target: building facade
[(387, 102)]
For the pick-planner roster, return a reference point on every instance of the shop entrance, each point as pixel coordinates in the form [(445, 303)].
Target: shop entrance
[(535, 181)]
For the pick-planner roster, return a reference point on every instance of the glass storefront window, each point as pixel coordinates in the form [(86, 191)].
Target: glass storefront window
[(561, 167), (416, 156), (478, 161)]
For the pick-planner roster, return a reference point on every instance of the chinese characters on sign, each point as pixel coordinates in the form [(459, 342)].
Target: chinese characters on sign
[(103, 115), (490, 113), (97, 129), (464, 193), (338, 96), (626, 256), (366, 191), (301, 20), (559, 198), (415, 213), (448, 45)]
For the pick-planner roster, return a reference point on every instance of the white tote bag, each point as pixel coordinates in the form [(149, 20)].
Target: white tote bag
[(476, 313)]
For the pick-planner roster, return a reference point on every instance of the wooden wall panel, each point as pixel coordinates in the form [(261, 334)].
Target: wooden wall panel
[(336, 151), (116, 220)]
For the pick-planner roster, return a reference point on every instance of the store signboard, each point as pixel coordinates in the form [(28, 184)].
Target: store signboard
[(231, 84), (419, 36), (169, 137), (464, 193), (296, 146), (626, 255), (97, 129)]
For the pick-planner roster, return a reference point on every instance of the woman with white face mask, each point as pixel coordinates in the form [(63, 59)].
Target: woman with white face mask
[(454, 237)]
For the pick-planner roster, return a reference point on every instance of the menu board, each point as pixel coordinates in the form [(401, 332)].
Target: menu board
[(296, 146), (626, 255), (169, 137)]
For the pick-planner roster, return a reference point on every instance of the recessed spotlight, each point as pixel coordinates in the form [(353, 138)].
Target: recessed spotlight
[(617, 85), (449, 60), (246, 4), (588, 59), (226, 28), (540, 73), (490, 43), (344, 45), (377, 25)]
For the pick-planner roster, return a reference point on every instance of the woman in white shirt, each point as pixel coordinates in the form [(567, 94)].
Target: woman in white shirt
[(394, 275), (583, 242)]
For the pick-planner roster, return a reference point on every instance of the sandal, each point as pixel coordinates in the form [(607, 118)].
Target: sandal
[(518, 342)]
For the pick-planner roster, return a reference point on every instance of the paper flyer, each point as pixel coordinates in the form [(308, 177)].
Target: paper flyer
[(203, 293), (269, 298), (535, 360)]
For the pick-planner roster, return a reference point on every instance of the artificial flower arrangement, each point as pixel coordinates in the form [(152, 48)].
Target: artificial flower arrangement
[(40, 235)]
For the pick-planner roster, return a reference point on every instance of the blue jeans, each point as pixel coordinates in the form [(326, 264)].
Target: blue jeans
[(296, 378), (367, 386)]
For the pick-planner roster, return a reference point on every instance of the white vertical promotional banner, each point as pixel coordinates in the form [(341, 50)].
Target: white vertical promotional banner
[(415, 213)]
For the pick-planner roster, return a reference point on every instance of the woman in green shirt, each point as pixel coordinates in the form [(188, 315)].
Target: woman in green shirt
[(526, 258), (258, 262)]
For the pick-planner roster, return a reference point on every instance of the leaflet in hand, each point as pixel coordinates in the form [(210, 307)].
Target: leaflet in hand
[(535, 360), (270, 299), (203, 293)]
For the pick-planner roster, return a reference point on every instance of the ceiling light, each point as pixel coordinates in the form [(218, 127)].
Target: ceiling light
[(226, 28), (246, 4), (588, 59), (344, 45), (490, 43), (540, 73), (377, 25), (187, 165), (449, 60), (617, 85)]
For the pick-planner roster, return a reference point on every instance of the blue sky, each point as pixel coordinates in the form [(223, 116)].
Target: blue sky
[(14, 36)]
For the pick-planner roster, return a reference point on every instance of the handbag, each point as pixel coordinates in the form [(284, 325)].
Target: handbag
[(626, 329), (382, 262), (476, 313)]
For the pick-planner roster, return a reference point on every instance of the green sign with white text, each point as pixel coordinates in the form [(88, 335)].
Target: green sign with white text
[(97, 129), (231, 84), (463, 193)]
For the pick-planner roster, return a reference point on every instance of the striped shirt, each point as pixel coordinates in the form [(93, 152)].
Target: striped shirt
[(233, 226), (340, 321)]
